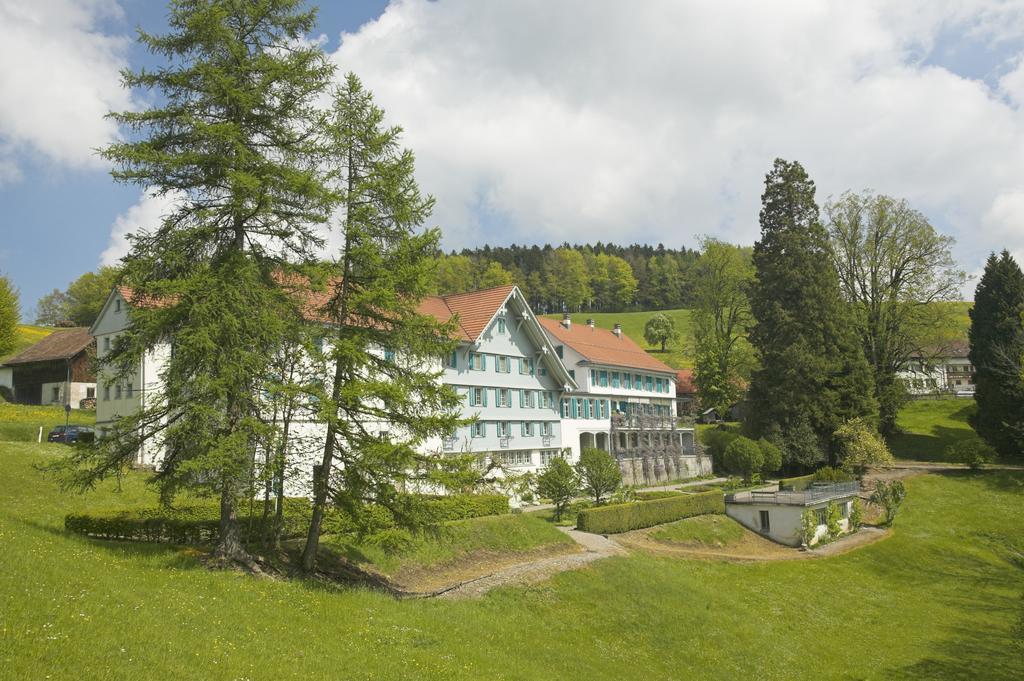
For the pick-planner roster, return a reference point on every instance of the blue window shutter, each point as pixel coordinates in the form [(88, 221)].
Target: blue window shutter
[(483, 362), (483, 392)]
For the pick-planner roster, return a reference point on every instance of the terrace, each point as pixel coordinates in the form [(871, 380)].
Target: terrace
[(817, 493)]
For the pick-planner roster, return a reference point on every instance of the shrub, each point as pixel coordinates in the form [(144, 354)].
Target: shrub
[(797, 483), (640, 514), (832, 518), (464, 506), (889, 495), (856, 514), (558, 483), (743, 456), (829, 474), (772, 455), (715, 440), (599, 473), (974, 452), (808, 526), (861, 447), (658, 494)]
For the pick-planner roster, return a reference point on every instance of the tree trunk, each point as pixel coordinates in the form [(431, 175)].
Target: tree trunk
[(230, 545)]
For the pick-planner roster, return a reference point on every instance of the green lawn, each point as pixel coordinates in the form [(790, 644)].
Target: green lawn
[(938, 599), (704, 530), (929, 426), (519, 533), (678, 355), (21, 422)]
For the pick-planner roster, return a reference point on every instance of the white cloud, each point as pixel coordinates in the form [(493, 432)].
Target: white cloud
[(656, 121), (145, 216), (60, 78)]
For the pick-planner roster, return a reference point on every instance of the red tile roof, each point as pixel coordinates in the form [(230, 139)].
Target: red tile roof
[(474, 309), (684, 382), (62, 344), (603, 346)]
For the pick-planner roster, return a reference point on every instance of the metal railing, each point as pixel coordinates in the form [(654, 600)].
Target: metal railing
[(817, 492)]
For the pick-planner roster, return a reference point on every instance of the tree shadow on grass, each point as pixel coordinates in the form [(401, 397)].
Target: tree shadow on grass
[(927, 447)]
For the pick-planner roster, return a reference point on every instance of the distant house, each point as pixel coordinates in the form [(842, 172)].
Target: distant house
[(686, 393), (778, 514), (56, 370), (944, 370)]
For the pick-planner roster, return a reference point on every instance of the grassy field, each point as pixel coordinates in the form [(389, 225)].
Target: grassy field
[(938, 599), (705, 531), (21, 422), (458, 540), (678, 355), (28, 335), (930, 426)]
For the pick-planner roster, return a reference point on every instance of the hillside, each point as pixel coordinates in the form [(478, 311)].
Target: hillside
[(679, 356), (28, 335)]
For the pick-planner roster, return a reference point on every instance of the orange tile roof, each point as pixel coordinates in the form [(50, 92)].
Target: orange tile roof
[(684, 382), (603, 346), (474, 309)]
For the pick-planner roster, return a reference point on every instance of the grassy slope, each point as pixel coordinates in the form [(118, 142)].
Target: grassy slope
[(28, 335), (458, 539), (930, 426), (705, 530), (21, 422), (936, 600), (678, 356)]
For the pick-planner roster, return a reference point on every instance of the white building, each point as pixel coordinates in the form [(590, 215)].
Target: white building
[(947, 370), (778, 515)]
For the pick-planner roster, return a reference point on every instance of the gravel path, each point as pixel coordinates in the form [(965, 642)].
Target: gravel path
[(595, 547)]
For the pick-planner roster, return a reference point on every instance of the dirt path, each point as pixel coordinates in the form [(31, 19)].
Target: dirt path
[(595, 547)]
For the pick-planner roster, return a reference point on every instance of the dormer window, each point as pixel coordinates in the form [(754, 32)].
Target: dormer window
[(117, 305), (501, 326)]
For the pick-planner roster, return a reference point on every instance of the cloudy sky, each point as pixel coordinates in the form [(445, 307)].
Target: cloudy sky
[(568, 120)]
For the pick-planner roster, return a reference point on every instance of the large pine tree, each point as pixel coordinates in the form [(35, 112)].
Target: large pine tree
[(997, 347), (813, 373), (233, 135)]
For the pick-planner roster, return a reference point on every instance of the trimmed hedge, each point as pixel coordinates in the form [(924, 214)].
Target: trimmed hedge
[(797, 483), (640, 514), (200, 523), (658, 494)]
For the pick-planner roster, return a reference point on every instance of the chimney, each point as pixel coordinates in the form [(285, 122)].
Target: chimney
[(617, 330), (566, 321), (590, 323)]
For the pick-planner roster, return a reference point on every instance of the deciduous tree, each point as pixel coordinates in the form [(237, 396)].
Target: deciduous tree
[(560, 484), (598, 472), (53, 309), (10, 315), (895, 270), (859, 447), (660, 329)]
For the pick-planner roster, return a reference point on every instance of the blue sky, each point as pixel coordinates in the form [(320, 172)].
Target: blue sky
[(581, 120)]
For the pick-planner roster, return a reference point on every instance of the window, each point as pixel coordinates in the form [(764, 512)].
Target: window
[(529, 400), (604, 379), (504, 429), (503, 364), (55, 394), (117, 391), (502, 397), (129, 391), (657, 385), (572, 374), (820, 513), (389, 355), (615, 379), (501, 326), (477, 397), (477, 362), (117, 305), (593, 377), (549, 455), (479, 429), (565, 409), (638, 382), (766, 524), (453, 360), (528, 429), (547, 428), (649, 383), (516, 458), (558, 351), (526, 365), (106, 393), (106, 344), (90, 393)]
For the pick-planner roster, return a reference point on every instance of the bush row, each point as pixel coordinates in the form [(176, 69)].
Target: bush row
[(640, 514), (200, 523)]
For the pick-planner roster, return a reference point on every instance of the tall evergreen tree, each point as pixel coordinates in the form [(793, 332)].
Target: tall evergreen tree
[(233, 136), (10, 314), (997, 347), (813, 371), (385, 400)]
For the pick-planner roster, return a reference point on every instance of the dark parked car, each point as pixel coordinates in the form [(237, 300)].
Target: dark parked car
[(71, 434)]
